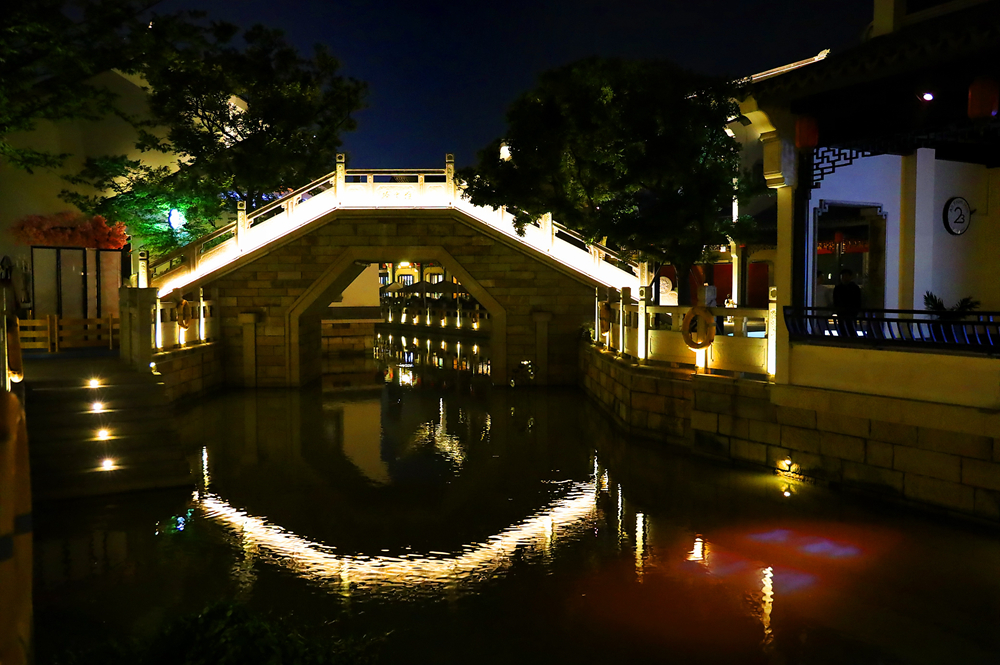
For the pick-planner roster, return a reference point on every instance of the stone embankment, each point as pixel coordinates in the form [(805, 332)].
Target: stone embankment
[(933, 455)]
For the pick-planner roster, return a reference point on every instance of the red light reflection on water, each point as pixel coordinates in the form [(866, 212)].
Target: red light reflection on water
[(729, 593)]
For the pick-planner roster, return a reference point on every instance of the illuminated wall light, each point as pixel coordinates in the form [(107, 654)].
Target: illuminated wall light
[(404, 264), (94, 383), (103, 434), (700, 358), (108, 464)]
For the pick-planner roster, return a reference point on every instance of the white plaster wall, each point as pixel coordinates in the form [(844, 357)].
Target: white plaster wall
[(37, 193), (964, 265), (363, 291), (869, 180)]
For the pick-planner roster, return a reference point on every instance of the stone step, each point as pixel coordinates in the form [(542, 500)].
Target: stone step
[(46, 415), (79, 455), (72, 484), (150, 463), (42, 431)]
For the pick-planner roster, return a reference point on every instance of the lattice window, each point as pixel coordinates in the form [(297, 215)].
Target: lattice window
[(828, 159)]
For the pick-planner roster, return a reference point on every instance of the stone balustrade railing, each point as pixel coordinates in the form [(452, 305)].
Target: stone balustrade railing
[(376, 188)]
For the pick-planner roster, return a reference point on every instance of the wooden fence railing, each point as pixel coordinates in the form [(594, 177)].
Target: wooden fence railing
[(54, 334)]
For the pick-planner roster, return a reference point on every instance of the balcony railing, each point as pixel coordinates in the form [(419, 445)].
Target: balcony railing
[(649, 332), (893, 328)]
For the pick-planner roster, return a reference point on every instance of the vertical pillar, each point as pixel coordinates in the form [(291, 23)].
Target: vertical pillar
[(597, 314), (782, 290), (737, 262), (241, 224), (137, 307), (548, 231), (340, 179), (449, 176), (917, 219), (626, 298), (248, 321), (780, 171), (541, 320), (642, 339)]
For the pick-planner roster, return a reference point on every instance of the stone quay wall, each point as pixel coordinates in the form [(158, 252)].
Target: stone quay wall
[(931, 455), (190, 371), (348, 337)]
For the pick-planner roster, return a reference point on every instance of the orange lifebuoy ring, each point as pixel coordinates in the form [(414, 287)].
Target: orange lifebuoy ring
[(705, 315), (607, 316), (184, 314)]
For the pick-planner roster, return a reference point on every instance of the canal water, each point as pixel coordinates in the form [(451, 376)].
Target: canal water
[(407, 499)]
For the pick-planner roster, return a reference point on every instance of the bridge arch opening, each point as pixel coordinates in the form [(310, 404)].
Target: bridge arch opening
[(303, 345)]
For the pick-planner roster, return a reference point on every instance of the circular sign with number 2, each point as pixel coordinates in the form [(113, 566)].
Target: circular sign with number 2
[(957, 215)]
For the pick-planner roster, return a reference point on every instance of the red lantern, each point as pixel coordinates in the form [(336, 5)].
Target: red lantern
[(806, 132), (984, 98)]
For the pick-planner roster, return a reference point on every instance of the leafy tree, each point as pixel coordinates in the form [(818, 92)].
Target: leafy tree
[(68, 229), (247, 117), (631, 153), (142, 197), (49, 51)]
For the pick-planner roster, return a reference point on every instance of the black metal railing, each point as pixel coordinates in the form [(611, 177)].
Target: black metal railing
[(979, 331)]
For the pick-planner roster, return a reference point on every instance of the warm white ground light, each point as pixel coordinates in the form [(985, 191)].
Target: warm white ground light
[(103, 434), (94, 383), (108, 464), (97, 407)]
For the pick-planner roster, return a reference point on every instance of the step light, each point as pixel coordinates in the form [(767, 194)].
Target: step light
[(103, 434), (94, 383), (108, 464), (97, 407)]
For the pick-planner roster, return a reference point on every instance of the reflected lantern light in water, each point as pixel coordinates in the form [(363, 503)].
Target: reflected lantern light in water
[(476, 562), (766, 603)]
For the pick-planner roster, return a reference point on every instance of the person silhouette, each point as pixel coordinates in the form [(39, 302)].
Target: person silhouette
[(847, 303)]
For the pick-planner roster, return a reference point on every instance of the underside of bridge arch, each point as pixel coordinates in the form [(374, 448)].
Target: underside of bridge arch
[(272, 301)]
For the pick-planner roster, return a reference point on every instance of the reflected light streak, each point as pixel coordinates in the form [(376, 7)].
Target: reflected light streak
[(476, 562), (766, 603), (699, 552), (205, 477), (640, 543)]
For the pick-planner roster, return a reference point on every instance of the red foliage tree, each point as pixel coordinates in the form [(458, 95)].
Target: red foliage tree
[(69, 229)]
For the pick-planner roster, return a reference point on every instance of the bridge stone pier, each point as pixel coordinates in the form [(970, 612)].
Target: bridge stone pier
[(270, 301)]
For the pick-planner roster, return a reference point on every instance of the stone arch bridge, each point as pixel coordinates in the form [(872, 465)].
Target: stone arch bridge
[(271, 276)]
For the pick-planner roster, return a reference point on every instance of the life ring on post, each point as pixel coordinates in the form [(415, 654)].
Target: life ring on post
[(708, 318), (184, 314), (607, 316)]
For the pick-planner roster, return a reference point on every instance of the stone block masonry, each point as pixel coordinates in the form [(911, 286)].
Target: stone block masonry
[(190, 371), (939, 456), (536, 304)]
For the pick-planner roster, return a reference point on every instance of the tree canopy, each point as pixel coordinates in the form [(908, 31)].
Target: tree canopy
[(49, 51), (246, 116), (631, 153)]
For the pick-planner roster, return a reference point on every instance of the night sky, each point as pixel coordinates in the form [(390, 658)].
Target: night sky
[(441, 74)]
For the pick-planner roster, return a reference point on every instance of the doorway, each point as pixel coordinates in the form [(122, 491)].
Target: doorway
[(849, 236)]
